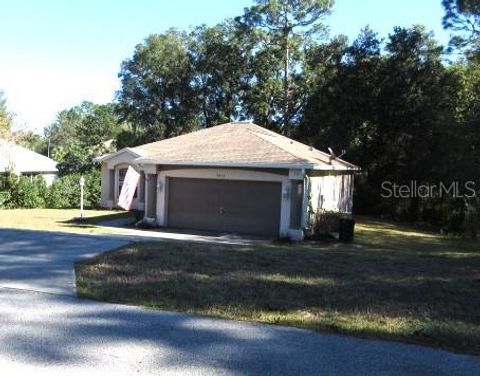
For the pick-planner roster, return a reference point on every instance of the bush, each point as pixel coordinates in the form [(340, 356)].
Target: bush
[(65, 191), (26, 192), (471, 224), (22, 191), (323, 223)]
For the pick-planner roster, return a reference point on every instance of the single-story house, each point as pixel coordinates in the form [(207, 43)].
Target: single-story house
[(23, 161), (236, 177)]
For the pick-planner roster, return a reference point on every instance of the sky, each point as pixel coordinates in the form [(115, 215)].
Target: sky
[(54, 54)]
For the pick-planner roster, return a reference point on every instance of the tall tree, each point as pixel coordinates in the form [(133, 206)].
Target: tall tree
[(463, 18), (287, 24), (393, 113), (415, 106), (31, 140), (80, 133), (88, 123), (468, 118), (341, 113), (220, 56), (64, 129), (414, 120), (157, 92), (99, 123)]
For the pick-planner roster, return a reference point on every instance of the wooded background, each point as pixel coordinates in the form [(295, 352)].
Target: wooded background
[(402, 106)]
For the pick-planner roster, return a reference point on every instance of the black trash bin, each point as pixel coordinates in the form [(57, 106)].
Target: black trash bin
[(347, 227)]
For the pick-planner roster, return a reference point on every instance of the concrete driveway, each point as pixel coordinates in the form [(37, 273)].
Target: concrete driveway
[(43, 261), (44, 328)]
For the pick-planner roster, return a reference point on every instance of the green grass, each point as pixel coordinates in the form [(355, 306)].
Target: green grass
[(393, 282), (58, 220)]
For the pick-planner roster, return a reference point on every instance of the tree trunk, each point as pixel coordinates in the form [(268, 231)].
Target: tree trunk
[(285, 90), (286, 131), (286, 33)]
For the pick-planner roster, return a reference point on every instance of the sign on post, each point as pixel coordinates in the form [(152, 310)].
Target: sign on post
[(125, 200), (82, 184)]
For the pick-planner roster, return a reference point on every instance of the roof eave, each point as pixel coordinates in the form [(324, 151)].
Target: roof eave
[(331, 167), (106, 157), (21, 171), (224, 163)]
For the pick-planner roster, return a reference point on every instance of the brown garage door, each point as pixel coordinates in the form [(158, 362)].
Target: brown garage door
[(224, 205)]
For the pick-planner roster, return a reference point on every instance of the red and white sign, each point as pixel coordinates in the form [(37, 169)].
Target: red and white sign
[(125, 200)]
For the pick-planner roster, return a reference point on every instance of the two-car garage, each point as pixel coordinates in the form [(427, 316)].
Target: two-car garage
[(251, 207)]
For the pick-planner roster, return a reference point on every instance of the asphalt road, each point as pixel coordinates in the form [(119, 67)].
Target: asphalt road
[(45, 329)]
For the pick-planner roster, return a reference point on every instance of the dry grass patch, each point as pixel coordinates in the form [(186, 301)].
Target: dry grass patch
[(394, 282)]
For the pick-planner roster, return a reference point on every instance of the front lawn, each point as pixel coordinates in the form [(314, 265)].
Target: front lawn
[(57, 219), (394, 282)]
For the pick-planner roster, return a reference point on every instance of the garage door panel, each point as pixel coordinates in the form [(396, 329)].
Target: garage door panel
[(190, 204), (224, 205), (252, 207)]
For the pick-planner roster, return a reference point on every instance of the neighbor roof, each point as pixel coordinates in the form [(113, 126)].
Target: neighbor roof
[(22, 160), (236, 144)]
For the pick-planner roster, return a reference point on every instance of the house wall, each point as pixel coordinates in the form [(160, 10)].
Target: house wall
[(331, 191), (106, 191), (296, 204), (109, 182), (151, 195), (328, 190), (49, 178)]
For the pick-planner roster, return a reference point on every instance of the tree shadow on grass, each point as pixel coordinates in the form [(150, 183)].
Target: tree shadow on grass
[(91, 222), (411, 283)]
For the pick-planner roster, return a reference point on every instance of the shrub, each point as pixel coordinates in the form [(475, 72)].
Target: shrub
[(65, 191), (471, 224), (323, 223), (27, 192), (22, 191), (3, 198)]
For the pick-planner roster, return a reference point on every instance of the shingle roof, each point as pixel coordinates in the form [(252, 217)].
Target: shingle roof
[(237, 144), (22, 160)]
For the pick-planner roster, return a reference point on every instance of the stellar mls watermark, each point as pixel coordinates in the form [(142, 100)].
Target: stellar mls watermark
[(415, 189)]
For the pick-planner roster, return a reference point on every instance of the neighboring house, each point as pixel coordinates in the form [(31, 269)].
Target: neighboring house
[(22, 161), (235, 177)]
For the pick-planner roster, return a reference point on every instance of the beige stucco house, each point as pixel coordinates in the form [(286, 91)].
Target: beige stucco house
[(235, 177)]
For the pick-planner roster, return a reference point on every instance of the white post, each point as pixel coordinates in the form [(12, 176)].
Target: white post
[(82, 183)]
